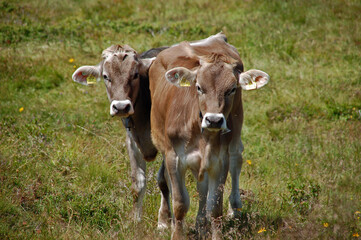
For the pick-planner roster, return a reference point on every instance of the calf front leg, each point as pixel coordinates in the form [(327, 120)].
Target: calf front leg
[(201, 221), (217, 179), (138, 171), (180, 197)]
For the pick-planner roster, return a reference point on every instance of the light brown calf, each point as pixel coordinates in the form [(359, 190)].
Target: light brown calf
[(196, 122)]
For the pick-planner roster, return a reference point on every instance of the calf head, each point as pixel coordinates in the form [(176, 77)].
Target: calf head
[(216, 79), (121, 70)]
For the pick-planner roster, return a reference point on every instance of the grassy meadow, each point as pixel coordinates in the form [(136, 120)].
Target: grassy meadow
[(64, 170)]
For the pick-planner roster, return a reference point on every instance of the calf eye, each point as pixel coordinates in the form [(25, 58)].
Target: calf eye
[(106, 77), (230, 92), (136, 75), (199, 89)]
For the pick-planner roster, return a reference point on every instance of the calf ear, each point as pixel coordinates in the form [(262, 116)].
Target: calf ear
[(253, 79), (181, 77), (145, 64), (85, 75)]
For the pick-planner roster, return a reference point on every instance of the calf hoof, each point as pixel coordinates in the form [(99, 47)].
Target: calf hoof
[(178, 236), (234, 213), (202, 228), (137, 214), (178, 233), (162, 225), (164, 219)]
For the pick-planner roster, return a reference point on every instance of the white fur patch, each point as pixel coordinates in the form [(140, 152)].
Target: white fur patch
[(204, 124), (112, 112)]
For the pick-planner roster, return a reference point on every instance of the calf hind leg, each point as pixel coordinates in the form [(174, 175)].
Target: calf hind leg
[(235, 204), (164, 214)]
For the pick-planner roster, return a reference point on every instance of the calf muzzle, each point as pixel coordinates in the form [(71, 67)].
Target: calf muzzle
[(122, 108), (214, 122)]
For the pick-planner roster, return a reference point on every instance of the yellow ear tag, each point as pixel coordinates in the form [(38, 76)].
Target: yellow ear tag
[(251, 85), (183, 82), (91, 80)]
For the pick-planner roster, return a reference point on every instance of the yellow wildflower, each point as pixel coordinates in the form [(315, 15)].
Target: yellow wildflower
[(357, 212), (354, 108), (355, 235), (21, 109), (325, 224), (249, 162), (74, 66), (71, 60), (262, 230)]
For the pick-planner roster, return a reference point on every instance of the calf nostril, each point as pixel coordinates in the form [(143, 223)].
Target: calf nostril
[(115, 108), (220, 121), (127, 108), (207, 120)]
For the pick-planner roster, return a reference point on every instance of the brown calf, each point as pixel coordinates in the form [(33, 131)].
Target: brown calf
[(196, 122), (125, 76)]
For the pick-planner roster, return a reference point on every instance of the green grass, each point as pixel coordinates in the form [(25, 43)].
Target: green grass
[(60, 177)]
